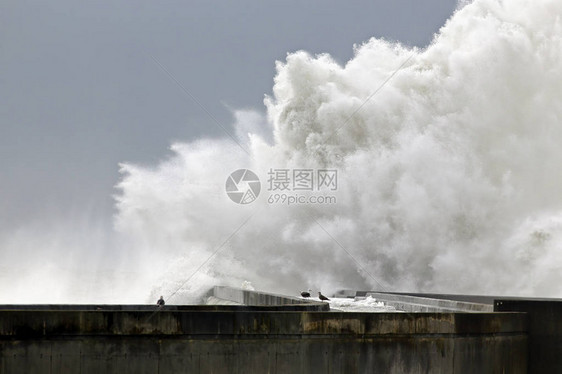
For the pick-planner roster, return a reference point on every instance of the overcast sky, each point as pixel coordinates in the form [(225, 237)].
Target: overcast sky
[(80, 92)]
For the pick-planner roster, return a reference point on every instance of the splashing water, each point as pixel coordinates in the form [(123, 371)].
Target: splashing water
[(449, 179)]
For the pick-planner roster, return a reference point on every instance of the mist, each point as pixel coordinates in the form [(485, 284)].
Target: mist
[(448, 177)]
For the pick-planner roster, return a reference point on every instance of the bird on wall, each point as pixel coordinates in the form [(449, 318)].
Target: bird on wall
[(322, 297), (305, 293)]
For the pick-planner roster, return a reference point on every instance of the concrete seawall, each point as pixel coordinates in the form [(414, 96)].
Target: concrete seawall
[(424, 304), (260, 342), (216, 339), (237, 296), (544, 329)]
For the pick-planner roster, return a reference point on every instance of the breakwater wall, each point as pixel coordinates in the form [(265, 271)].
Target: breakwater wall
[(260, 342), (256, 339)]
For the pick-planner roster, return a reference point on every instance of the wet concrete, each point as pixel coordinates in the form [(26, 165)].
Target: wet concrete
[(192, 340)]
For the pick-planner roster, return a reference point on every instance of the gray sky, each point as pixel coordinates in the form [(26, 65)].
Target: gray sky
[(79, 92)]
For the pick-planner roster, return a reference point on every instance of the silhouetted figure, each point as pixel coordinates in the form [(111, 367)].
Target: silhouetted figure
[(322, 297), (305, 294), (161, 301)]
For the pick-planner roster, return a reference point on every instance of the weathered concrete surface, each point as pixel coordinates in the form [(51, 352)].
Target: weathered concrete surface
[(253, 341), (409, 303), (545, 331), (213, 300), (224, 295)]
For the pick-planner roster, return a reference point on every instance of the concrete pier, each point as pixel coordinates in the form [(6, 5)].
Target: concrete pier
[(256, 339), (409, 303), (260, 342), (544, 330)]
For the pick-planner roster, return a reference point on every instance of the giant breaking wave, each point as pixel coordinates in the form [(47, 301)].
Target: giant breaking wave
[(450, 176)]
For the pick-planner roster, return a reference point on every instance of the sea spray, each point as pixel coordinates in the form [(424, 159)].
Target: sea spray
[(449, 178)]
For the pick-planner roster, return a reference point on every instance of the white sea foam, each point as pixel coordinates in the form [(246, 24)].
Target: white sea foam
[(449, 178), (367, 304)]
